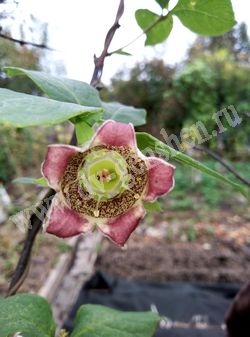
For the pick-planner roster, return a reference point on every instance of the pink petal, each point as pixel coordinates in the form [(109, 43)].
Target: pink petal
[(63, 221), (160, 178), (120, 228), (116, 134), (56, 162)]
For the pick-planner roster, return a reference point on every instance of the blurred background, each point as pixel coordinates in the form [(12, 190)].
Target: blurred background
[(203, 230)]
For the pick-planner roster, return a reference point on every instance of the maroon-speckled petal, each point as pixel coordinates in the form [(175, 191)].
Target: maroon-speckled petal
[(63, 221), (120, 228), (160, 178), (56, 162), (116, 134)]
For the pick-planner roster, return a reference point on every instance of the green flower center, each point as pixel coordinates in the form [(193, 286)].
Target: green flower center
[(104, 174)]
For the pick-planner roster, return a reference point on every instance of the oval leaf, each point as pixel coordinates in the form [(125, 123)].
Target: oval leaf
[(60, 88), (204, 17), (22, 110), (123, 113), (28, 314), (150, 143), (157, 28), (97, 320)]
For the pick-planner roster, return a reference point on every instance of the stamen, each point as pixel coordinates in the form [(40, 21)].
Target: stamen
[(96, 213)]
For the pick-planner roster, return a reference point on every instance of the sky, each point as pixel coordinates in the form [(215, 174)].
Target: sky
[(77, 30)]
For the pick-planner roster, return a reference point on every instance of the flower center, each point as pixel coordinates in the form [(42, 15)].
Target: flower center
[(104, 181), (104, 174)]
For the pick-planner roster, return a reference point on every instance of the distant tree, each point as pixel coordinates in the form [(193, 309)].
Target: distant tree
[(210, 83), (237, 42), (148, 85), (12, 54)]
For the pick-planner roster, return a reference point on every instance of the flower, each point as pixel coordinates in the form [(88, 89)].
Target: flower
[(103, 184)]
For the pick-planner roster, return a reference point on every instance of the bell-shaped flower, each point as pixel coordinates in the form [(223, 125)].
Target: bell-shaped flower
[(103, 184)]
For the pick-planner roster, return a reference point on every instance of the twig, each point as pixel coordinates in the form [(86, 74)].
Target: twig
[(223, 163), (24, 261), (22, 267), (99, 61), (26, 43)]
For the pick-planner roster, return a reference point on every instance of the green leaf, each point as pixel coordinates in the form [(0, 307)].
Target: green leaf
[(148, 143), (123, 113), (27, 180), (152, 206), (205, 17), (97, 320), (22, 110), (28, 314), (162, 3), (60, 88), (42, 181), (157, 28), (84, 132), (121, 52)]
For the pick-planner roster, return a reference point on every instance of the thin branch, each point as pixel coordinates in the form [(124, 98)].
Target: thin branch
[(26, 43), (24, 261), (36, 223), (224, 163), (99, 61)]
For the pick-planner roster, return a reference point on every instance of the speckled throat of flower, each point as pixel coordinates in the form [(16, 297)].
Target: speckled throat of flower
[(104, 181)]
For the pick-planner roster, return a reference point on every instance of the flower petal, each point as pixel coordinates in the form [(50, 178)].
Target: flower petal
[(160, 178), (64, 222), (56, 162), (116, 134), (120, 228)]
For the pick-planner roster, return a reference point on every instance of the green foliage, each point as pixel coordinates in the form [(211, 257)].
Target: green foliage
[(148, 143), (28, 180), (18, 151), (97, 320), (204, 86), (121, 52), (204, 17), (84, 132), (152, 206), (163, 3), (197, 191), (200, 16), (191, 233), (236, 42), (152, 82), (157, 28), (29, 314), (7, 170), (60, 88), (13, 54), (22, 110), (122, 113), (72, 91)]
